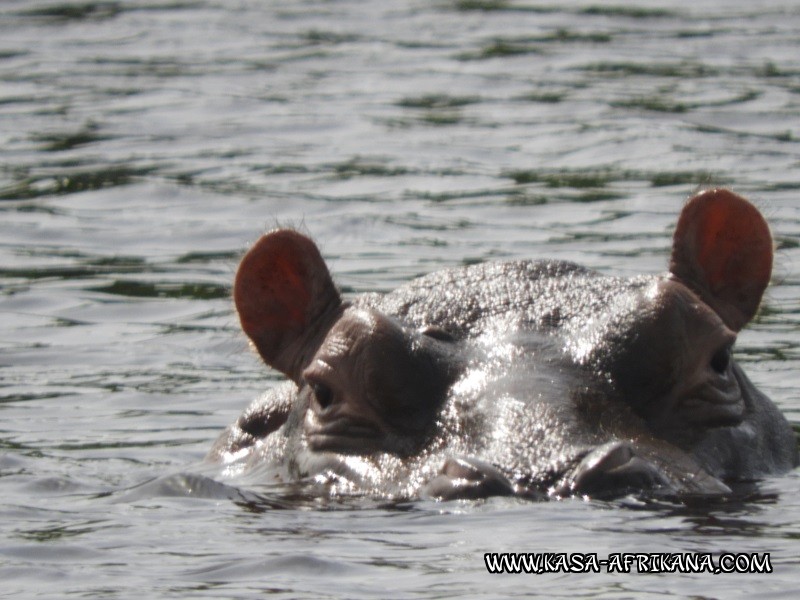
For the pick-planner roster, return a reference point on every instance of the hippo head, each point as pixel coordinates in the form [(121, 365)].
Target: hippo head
[(670, 353), (551, 375), (372, 384)]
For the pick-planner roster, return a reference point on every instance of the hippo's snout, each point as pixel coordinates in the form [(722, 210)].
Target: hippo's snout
[(341, 434), (715, 408)]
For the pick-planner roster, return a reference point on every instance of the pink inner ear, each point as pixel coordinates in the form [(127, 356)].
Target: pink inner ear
[(272, 286), (288, 282), (723, 249), (285, 298), (734, 243)]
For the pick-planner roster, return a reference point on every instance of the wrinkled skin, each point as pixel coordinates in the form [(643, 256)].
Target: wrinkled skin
[(525, 378)]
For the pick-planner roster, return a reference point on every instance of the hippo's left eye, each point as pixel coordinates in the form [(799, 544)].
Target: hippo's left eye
[(437, 333), (322, 394), (721, 360)]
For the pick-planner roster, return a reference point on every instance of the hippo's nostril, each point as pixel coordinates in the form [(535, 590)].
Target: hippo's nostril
[(323, 395)]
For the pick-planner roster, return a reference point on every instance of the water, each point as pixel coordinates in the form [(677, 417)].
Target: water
[(145, 143)]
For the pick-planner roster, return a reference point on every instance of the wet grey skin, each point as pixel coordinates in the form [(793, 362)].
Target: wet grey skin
[(534, 379)]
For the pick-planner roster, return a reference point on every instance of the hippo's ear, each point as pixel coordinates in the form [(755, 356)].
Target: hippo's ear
[(722, 249), (286, 299)]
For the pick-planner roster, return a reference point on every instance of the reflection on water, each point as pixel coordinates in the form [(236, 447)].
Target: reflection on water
[(145, 143)]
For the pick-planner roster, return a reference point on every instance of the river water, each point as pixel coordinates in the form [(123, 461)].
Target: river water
[(145, 143)]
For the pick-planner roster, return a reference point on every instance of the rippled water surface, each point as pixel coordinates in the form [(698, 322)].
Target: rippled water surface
[(145, 143)]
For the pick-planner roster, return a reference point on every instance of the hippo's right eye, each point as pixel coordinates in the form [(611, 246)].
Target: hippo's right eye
[(323, 395), (721, 360)]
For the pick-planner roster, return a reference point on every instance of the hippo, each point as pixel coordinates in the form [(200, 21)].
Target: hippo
[(533, 378)]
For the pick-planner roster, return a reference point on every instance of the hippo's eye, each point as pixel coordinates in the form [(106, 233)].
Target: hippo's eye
[(721, 360), (437, 333), (322, 394)]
